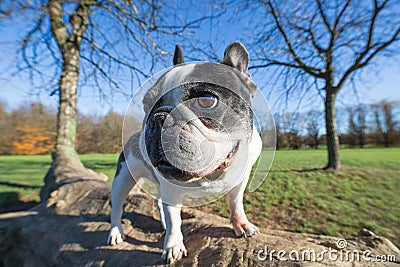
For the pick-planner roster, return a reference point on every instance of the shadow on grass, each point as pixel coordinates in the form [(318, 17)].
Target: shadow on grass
[(98, 164), (297, 170), (9, 202), (21, 185)]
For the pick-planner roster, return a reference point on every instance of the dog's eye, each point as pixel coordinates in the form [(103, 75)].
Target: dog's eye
[(206, 101)]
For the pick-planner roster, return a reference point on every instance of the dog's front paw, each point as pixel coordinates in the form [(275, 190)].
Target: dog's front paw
[(116, 235), (245, 229), (174, 249)]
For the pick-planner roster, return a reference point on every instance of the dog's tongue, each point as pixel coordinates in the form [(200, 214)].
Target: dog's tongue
[(226, 161)]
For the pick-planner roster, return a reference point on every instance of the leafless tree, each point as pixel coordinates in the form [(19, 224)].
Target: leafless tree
[(358, 125), (90, 43), (385, 121), (314, 123), (289, 134), (321, 45), (279, 130)]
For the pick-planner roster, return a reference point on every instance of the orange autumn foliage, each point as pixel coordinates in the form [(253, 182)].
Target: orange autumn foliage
[(33, 141)]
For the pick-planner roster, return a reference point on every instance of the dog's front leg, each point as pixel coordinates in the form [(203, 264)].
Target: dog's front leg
[(174, 248), (122, 184)]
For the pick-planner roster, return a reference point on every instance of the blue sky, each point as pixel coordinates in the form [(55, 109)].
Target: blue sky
[(385, 85), (377, 83)]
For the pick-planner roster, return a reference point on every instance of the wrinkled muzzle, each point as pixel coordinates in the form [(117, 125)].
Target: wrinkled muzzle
[(153, 131), (182, 146)]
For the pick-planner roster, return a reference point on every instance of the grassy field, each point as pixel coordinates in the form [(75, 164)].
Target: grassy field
[(21, 177), (296, 195)]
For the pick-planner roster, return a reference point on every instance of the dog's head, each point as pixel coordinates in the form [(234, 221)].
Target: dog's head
[(198, 116)]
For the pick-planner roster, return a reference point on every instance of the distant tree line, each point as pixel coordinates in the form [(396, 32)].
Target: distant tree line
[(30, 129), (363, 125)]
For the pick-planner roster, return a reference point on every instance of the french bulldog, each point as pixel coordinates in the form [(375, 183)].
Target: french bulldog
[(198, 138)]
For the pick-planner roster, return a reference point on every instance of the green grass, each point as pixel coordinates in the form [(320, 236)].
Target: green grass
[(105, 163), (296, 195), (21, 177)]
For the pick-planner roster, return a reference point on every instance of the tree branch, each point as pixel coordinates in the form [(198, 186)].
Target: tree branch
[(367, 54), (117, 60), (55, 10), (323, 16), (315, 72)]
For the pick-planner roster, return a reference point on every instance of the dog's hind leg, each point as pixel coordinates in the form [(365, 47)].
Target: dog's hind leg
[(161, 210), (121, 186)]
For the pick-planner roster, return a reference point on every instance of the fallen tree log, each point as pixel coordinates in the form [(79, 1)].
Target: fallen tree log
[(70, 228)]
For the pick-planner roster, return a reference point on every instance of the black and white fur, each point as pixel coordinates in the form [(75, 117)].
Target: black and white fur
[(135, 162)]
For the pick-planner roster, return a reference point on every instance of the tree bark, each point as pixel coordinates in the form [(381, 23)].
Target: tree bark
[(332, 139), (68, 36), (67, 113), (316, 141)]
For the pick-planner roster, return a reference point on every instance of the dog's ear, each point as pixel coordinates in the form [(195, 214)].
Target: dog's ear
[(237, 57), (178, 56)]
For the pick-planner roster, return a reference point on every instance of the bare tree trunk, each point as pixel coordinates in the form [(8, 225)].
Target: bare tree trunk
[(65, 158), (316, 142), (66, 163), (67, 113), (361, 139), (69, 43), (332, 139)]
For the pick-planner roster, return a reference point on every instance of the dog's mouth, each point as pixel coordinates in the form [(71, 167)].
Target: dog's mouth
[(171, 172)]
